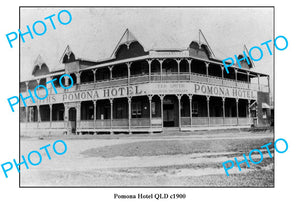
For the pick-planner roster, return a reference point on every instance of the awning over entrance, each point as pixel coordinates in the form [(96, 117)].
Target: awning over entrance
[(265, 106)]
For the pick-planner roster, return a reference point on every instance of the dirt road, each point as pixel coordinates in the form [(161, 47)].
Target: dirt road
[(150, 160)]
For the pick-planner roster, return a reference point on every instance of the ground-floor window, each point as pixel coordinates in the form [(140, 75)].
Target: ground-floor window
[(136, 109), (195, 109), (140, 107), (243, 108), (185, 106), (155, 107), (230, 107), (103, 109), (45, 112), (87, 110), (22, 114), (120, 108), (215, 107), (199, 106), (264, 113), (32, 114), (58, 111)]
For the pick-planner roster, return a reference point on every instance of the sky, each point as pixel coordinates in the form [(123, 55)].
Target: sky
[(93, 33)]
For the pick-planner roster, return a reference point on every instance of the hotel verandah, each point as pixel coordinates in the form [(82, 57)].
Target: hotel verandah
[(145, 91)]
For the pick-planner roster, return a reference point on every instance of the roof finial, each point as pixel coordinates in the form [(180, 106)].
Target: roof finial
[(68, 51), (204, 42), (251, 61)]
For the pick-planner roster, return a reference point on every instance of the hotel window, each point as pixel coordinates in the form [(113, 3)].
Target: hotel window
[(91, 113), (121, 110), (136, 110), (184, 109), (195, 108), (153, 108), (264, 115), (120, 113)]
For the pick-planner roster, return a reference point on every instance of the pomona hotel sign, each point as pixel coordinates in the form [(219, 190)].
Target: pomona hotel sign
[(149, 89)]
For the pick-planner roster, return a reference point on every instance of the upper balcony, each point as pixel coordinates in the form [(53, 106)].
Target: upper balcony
[(158, 70)]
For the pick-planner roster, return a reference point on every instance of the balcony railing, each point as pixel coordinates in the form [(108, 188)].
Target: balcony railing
[(140, 122), (44, 125), (229, 82), (199, 78), (215, 80), (156, 77), (139, 79)]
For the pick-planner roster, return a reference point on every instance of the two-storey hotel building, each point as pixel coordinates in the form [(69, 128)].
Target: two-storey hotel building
[(145, 91)]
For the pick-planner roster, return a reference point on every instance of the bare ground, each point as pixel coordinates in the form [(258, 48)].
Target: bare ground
[(164, 160)]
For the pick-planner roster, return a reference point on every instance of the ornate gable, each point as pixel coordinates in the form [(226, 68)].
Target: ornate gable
[(40, 68), (128, 46)]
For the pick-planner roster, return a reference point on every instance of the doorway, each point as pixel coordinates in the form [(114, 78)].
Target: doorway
[(170, 110), (72, 119)]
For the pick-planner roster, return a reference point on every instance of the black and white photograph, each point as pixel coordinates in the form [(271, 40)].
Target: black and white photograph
[(151, 106), (147, 97)]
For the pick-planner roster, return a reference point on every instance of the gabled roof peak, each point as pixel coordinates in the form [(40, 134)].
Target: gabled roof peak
[(67, 52), (202, 40), (39, 66), (127, 38), (39, 61)]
